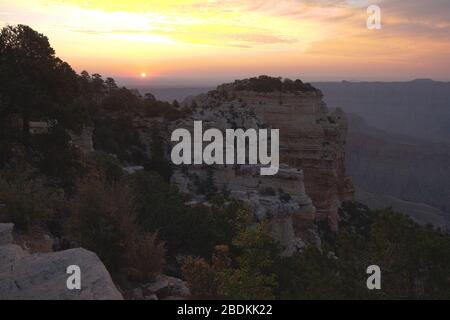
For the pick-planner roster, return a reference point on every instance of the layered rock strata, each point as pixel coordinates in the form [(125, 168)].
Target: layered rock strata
[(311, 182)]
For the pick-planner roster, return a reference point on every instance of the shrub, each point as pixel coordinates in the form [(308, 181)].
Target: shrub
[(186, 229), (146, 254), (246, 274), (102, 220), (28, 201), (200, 277), (106, 167)]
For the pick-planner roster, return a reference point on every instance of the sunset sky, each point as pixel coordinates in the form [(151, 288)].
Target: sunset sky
[(222, 40)]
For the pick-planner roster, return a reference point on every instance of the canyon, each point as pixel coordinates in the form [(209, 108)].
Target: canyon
[(311, 182)]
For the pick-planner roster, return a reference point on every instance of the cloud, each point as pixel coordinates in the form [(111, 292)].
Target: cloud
[(296, 32), (245, 38)]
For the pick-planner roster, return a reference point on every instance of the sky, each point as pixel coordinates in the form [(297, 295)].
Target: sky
[(207, 41)]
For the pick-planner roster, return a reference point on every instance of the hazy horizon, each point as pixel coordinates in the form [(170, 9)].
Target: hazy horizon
[(176, 83), (224, 40)]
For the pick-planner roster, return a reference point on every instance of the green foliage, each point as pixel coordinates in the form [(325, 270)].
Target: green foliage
[(160, 207), (412, 258), (145, 253), (121, 99), (106, 167), (206, 185), (55, 157), (245, 274), (158, 160), (120, 217), (118, 136), (154, 108), (102, 219), (254, 277), (271, 84), (201, 277), (28, 200), (35, 83), (309, 275)]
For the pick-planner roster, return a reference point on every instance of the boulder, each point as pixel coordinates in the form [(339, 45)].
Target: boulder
[(43, 276), (165, 286)]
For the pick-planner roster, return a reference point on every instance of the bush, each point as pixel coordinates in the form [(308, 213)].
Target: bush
[(247, 273), (28, 201), (119, 137), (146, 254), (185, 229), (55, 157), (102, 220), (105, 167), (201, 278)]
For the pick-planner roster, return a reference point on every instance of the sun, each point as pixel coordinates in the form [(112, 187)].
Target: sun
[(143, 75)]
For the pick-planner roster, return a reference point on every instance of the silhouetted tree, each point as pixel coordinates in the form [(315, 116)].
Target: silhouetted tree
[(34, 82)]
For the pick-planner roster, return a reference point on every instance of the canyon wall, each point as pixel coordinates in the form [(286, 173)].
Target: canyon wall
[(312, 138), (311, 182)]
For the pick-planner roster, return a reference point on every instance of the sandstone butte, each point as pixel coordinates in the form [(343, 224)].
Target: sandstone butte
[(311, 183)]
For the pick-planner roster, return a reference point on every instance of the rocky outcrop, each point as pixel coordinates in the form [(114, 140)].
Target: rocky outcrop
[(163, 288), (311, 182), (312, 138), (83, 140), (43, 276), (279, 199)]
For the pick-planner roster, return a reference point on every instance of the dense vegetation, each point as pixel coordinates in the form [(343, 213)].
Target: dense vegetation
[(271, 84), (413, 260), (140, 225)]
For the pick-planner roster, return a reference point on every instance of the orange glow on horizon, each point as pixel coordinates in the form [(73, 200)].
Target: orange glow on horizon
[(198, 38)]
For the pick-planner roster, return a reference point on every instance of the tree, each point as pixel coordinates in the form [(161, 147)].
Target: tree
[(34, 82), (244, 272), (29, 200)]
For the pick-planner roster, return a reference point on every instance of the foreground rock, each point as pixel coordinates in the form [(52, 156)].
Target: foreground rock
[(25, 276), (163, 288)]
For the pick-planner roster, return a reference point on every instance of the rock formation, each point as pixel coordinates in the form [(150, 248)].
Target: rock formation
[(311, 138), (43, 276), (83, 140), (311, 182)]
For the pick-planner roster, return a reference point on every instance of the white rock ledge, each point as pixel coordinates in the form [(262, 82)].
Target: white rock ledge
[(42, 276)]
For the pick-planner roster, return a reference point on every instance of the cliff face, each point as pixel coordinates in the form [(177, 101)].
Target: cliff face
[(398, 170), (311, 181), (312, 138)]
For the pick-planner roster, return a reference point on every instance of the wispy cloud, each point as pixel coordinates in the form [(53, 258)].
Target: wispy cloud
[(283, 34)]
